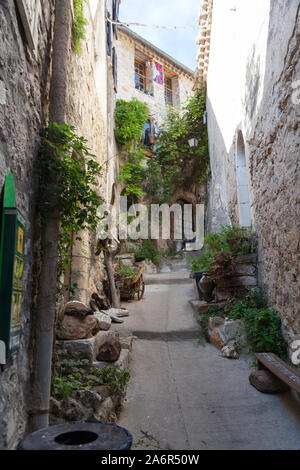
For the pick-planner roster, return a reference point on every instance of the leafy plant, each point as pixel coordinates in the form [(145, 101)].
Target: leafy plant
[(132, 173), (130, 120), (231, 240), (147, 251), (175, 163), (125, 271), (73, 375), (64, 156), (240, 240), (262, 324), (221, 266), (79, 25)]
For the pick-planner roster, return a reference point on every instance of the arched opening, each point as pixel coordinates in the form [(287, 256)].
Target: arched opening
[(242, 183)]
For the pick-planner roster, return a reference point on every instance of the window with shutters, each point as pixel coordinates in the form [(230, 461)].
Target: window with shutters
[(168, 91)]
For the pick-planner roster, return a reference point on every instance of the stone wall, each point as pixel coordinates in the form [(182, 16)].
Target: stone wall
[(24, 100), (274, 168), (182, 82), (87, 110), (252, 97), (23, 93)]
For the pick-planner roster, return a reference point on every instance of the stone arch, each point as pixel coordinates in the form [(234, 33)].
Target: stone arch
[(242, 182)]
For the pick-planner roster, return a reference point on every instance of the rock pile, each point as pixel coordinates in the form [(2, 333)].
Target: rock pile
[(226, 335), (86, 334), (98, 404)]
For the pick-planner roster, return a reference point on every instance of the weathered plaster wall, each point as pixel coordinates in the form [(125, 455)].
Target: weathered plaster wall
[(23, 91), (253, 65)]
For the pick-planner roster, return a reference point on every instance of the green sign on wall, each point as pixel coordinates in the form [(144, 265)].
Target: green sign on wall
[(11, 271)]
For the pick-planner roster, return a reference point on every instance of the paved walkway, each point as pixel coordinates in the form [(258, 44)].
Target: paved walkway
[(183, 395)]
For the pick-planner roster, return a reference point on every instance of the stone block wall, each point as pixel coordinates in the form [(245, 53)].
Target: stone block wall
[(23, 101), (274, 172), (258, 98), (182, 85), (244, 278)]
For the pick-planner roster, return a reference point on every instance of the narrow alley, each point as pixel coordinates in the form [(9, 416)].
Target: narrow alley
[(149, 226), (183, 394)]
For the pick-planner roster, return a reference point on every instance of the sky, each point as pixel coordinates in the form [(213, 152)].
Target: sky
[(179, 44)]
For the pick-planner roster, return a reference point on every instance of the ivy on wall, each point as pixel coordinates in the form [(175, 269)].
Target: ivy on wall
[(64, 157), (79, 25), (175, 164), (130, 119)]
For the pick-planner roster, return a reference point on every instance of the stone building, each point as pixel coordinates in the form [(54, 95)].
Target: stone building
[(26, 35), (139, 63), (249, 60), (151, 76)]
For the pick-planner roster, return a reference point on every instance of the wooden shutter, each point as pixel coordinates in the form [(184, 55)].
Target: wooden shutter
[(108, 35), (116, 7), (115, 68)]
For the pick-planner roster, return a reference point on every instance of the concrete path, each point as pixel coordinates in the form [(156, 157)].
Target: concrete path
[(183, 395)]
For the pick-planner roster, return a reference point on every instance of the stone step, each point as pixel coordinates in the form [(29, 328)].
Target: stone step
[(201, 307)]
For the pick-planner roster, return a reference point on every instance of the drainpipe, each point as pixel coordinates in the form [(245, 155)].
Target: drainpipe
[(46, 297)]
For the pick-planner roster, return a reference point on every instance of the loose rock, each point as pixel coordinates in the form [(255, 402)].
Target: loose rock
[(72, 410), (230, 351), (109, 351), (78, 328), (103, 390), (76, 309), (104, 320)]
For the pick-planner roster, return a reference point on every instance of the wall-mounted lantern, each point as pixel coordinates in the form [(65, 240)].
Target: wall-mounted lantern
[(12, 237), (193, 142)]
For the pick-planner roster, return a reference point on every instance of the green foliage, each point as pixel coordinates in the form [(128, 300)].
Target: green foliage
[(222, 265), (73, 375), (79, 25), (175, 163), (263, 326), (66, 162), (231, 239), (125, 271), (239, 240), (132, 173), (147, 251), (130, 120)]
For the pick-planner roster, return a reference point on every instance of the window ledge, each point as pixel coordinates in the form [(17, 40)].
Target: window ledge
[(144, 93)]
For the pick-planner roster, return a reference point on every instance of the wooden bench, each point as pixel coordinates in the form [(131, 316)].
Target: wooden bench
[(279, 368)]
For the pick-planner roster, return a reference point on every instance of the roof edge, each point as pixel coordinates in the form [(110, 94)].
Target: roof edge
[(156, 49)]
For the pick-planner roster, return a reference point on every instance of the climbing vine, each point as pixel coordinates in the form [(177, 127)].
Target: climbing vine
[(65, 158), (79, 25), (130, 120), (175, 164)]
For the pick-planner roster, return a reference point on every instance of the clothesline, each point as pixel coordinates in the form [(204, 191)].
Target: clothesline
[(122, 23)]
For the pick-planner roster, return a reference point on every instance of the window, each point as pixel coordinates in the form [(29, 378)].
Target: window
[(168, 91), (139, 75)]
